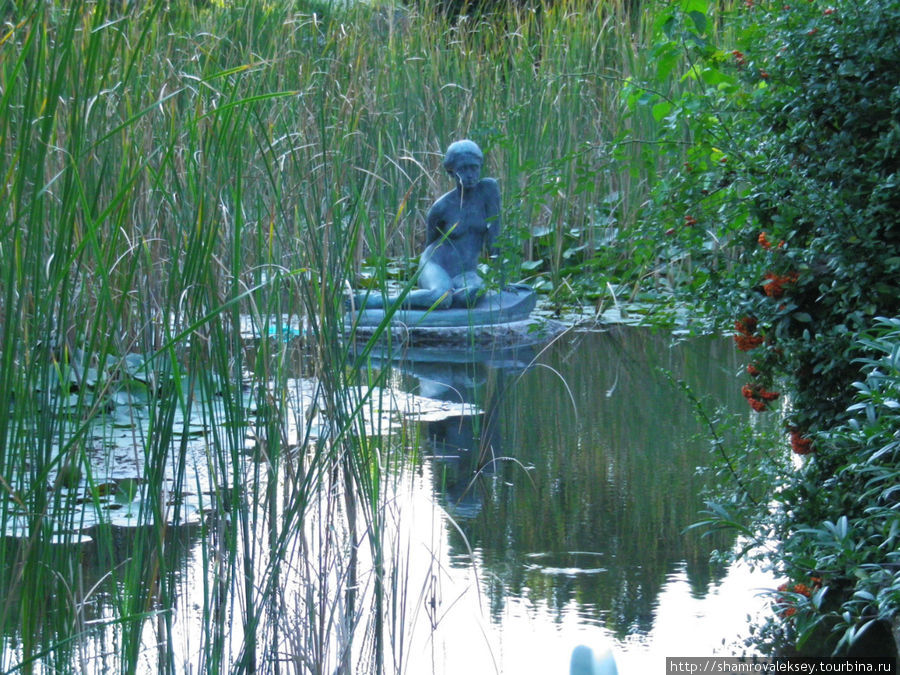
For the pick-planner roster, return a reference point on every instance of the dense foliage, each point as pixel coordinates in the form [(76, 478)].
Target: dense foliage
[(180, 176), (170, 166), (782, 221)]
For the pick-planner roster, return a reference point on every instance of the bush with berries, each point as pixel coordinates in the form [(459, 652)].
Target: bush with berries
[(788, 145)]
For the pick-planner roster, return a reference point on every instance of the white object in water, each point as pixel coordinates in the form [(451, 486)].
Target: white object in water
[(586, 662)]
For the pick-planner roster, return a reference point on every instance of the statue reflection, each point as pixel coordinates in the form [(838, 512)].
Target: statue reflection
[(464, 447)]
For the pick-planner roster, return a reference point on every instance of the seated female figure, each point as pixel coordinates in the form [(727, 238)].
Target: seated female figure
[(459, 226)]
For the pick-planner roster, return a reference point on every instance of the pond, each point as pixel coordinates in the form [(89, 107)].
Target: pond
[(540, 502), (564, 505)]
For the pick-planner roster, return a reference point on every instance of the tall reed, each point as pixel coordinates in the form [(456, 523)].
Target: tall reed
[(170, 169)]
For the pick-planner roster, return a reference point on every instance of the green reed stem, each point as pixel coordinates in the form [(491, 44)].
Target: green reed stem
[(166, 171)]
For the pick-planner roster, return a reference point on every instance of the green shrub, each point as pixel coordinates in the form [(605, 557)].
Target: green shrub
[(852, 558), (786, 203), (781, 221)]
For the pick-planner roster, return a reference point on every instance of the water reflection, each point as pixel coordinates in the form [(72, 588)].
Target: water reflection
[(464, 446), (569, 474), (90, 587), (573, 487)]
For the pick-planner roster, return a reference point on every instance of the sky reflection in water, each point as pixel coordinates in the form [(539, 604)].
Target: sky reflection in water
[(552, 516), (572, 530)]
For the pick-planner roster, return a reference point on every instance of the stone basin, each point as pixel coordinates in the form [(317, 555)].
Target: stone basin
[(498, 317)]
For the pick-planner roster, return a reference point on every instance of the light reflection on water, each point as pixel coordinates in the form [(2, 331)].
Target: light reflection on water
[(548, 511), (466, 633), (570, 496)]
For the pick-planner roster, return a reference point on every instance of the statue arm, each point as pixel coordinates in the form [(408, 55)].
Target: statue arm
[(432, 225), (492, 211), (436, 221)]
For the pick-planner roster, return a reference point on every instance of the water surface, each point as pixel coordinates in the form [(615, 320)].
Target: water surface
[(538, 500), (569, 498)]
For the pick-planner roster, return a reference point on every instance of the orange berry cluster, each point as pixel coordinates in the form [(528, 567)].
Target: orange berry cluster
[(774, 288), (746, 338), (786, 607), (800, 444), (763, 240), (758, 397)]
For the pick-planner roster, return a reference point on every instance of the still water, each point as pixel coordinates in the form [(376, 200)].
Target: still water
[(557, 515), (540, 502)]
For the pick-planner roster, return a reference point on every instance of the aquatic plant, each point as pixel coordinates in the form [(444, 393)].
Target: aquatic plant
[(147, 213), (180, 176)]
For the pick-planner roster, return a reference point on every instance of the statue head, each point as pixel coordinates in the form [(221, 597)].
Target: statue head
[(463, 161)]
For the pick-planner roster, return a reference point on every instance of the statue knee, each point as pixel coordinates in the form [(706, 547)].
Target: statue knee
[(363, 301), (443, 300)]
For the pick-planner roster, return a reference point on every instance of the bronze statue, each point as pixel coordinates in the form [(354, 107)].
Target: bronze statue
[(459, 226)]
